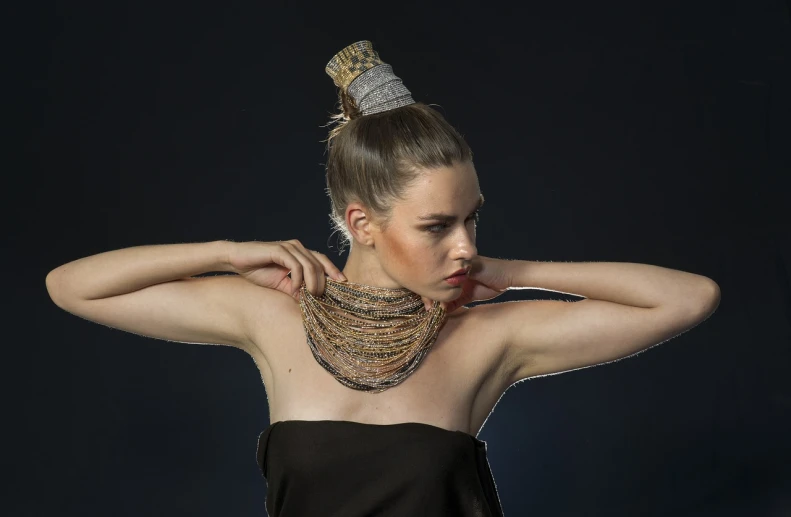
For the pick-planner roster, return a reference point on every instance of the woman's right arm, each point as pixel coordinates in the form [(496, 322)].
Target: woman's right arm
[(150, 291), (130, 269)]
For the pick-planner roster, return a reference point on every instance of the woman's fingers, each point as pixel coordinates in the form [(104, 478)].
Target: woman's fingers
[(329, 267), (309, 266), (317, 264), (292, 262), (427, 302)]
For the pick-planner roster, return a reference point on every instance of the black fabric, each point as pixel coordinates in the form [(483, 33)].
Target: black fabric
[(339, 468)]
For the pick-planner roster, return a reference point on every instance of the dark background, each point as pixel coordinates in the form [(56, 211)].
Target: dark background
[(652, 132)]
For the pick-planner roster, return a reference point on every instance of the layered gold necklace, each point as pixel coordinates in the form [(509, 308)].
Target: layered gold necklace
[(369, 338)]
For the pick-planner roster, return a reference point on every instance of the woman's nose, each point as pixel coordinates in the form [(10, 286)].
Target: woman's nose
[(465, 250)]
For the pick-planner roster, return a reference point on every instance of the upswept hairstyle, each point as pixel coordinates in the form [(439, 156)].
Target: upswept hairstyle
[(373, 159)]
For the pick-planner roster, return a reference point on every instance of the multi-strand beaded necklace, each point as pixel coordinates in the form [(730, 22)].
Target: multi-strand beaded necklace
[(369, 338)]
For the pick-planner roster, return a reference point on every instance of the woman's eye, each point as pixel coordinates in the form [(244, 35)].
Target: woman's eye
[(439, 228)]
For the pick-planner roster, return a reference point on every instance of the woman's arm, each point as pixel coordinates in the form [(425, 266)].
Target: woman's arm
[(626, 283), (126, 270)]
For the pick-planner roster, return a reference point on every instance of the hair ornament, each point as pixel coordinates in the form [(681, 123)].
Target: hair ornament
[(358, 70)]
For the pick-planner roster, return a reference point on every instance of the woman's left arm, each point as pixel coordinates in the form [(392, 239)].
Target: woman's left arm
[(627, 308), (625, 283)]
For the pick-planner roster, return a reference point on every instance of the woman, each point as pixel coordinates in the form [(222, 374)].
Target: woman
[(378, 377)]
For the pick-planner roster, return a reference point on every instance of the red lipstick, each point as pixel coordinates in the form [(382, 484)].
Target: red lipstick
[(458, 278), (462, 271)]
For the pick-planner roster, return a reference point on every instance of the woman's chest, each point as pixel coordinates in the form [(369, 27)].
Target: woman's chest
[(444, 390)]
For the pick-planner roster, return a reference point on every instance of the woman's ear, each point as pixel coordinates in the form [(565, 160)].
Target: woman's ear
[(358, 223)]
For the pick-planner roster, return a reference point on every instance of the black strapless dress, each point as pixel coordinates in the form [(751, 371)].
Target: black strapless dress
[(339, 468)]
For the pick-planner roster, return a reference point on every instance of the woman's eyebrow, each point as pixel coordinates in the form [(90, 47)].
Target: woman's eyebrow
[(448, 218)]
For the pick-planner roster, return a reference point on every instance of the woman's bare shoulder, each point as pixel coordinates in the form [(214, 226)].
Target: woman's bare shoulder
[(479, 332)]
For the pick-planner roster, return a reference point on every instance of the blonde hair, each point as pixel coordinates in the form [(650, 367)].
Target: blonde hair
[(373, 159)]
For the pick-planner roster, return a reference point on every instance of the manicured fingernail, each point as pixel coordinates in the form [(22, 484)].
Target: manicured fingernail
[(342, 277)]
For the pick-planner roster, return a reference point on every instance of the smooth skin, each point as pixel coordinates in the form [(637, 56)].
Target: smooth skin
[(415, 251)]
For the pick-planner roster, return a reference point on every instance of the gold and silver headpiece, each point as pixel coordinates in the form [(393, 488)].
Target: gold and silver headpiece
[(359, 71)]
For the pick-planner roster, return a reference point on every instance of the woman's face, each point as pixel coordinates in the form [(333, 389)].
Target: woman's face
[(432, 231)]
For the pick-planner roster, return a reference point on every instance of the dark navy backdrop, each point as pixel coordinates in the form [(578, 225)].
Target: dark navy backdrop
[(653, 132)]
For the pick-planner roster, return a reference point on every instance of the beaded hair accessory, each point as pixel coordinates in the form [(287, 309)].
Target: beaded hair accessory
[(358, 70)]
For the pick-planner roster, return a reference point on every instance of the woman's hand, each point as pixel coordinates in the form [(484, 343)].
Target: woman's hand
[(268, 264), (487, 279)]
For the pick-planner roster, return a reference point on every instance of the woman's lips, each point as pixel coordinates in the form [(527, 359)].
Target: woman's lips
[(456, 279)]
